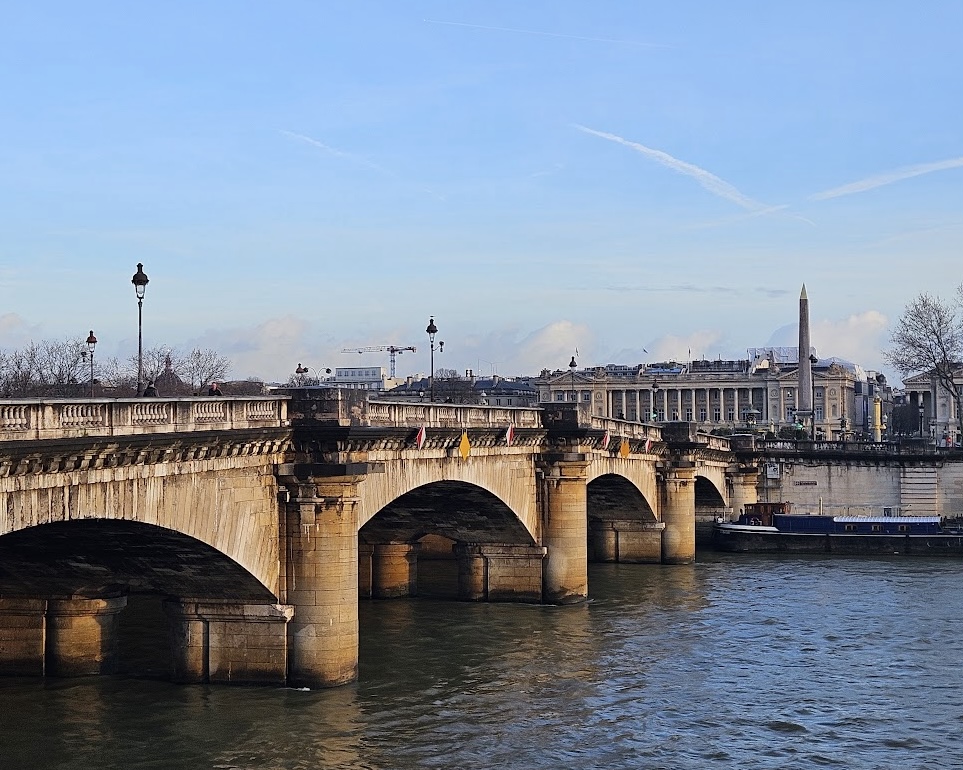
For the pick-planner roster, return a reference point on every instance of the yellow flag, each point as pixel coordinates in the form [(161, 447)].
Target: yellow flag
[(624, 449), (464, 448)]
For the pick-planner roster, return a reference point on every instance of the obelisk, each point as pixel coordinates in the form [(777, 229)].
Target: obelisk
[(804, 400)]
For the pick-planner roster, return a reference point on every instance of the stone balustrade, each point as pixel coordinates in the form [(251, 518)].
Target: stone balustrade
[(627, 428), (415, 414), (22, 419)]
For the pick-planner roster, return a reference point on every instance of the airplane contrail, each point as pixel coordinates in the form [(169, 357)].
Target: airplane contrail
[(545, 34), (888, 177), (706, 179), (336, 152)]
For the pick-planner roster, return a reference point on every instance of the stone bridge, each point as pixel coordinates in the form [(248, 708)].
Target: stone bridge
[(256, 524)]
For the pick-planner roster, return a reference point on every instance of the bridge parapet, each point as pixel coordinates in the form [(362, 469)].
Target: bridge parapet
[(626, 428), (415, 414), (23, 419), (910, 447)]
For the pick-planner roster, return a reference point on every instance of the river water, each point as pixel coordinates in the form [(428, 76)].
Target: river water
[(733, 662)]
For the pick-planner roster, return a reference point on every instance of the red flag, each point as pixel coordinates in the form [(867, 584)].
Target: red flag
[(605, 440), (420, 438), (648, 444), (509, 435)]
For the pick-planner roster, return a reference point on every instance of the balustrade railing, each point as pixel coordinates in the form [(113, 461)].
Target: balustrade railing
[(415, 414), (626, 428), (45, 419)]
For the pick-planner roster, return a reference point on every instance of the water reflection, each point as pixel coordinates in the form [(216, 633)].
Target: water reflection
[(731, 662)]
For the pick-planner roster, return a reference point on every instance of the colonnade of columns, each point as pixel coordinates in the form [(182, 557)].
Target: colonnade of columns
[(670, 404)]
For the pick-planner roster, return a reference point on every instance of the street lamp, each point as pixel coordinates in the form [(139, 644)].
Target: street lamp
[(91, 344), (301, 371), (571, 367), (922, 412), (812, 419), (140, 286), (655, 396), (432, 330), (751, 419)]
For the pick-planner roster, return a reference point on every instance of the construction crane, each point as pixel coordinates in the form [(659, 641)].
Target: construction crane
[(393, 350)]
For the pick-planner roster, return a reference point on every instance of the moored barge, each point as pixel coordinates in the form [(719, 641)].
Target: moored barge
[(773, 528)]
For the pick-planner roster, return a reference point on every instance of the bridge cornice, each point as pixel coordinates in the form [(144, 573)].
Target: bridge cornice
[(313, 439), (85, 453)]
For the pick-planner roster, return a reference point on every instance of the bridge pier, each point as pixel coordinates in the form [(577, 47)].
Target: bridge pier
[(220, 642), (565, 529), (744, 488), (321, 519), (392, 569), (678, 514), (73, 636), (633, 542), (499, 573)]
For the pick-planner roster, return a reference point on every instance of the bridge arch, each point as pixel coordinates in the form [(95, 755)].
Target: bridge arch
[(506, 475), (452, 539), (623, 525), (97, 557)]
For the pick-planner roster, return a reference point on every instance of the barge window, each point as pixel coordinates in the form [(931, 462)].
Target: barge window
[(877, 528), (850, 527), (904, 527)]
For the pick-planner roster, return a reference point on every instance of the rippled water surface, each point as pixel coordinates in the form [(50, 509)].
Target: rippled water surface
[(754, 662)]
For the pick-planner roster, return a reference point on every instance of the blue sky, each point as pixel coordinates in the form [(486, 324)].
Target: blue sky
[(635, 180)]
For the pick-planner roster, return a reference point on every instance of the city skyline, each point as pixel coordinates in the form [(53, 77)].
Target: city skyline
[(638, 184)]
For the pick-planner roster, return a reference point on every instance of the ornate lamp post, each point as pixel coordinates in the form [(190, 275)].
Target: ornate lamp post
[(432, 330), (571, 367), (922, 413), (302, 372), (140, 282), (751, 419), (91, 344), (655, 395), (812, 419)]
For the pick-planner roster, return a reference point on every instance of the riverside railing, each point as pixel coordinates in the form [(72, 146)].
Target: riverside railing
[(26, 419)]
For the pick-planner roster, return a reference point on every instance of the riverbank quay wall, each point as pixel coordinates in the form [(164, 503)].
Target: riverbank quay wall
[(260, 522), (911, 478)]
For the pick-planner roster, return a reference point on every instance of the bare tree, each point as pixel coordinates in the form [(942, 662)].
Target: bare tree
[(929, 338), (45, 368), (451, 387), (202, 367)]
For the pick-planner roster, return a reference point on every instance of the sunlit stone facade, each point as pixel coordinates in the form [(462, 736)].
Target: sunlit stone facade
[(762, 390)]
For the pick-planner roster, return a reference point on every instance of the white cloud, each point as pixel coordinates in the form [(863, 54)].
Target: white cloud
[(552, 347), (699, 344), (16, 331), (859, 338), (887, 177)]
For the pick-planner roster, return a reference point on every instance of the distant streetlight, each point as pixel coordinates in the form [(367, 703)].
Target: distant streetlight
[(432, 330), (922, 413), (812, 419), (571, 367), (302, 372), (140, 282), (751, 419), (655, 393), (91, 344)]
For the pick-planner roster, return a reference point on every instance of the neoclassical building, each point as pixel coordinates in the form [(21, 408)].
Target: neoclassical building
[(759, 391), (939, 417)]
